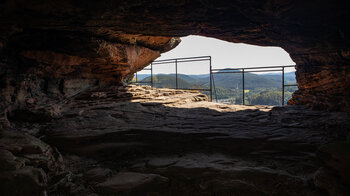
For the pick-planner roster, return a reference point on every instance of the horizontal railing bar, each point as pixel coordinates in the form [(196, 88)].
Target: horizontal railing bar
[(247, 71), (141, 82), (165, 62), (178, 88), (226, 72), (262, 71), (183, 58), (290, 85), (255, 67), (196, 89), (186, 61)]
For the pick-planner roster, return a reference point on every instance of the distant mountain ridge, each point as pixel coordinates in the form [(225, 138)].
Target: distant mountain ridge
[(225, 80), (169, 81), (263, 89)]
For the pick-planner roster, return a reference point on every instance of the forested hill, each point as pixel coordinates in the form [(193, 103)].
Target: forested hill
[(168, 81), (225, 80), (251, 81), (260, 89)]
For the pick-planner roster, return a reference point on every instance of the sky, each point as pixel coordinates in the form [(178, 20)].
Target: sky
[(224, 55)]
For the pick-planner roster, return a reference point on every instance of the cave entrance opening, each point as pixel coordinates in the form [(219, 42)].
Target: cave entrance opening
[(240, 74)]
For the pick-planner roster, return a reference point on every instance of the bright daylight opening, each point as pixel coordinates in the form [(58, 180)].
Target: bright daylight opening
[(260, 79)]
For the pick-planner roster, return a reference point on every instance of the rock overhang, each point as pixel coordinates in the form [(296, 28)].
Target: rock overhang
[(51, 51), (92, 32)]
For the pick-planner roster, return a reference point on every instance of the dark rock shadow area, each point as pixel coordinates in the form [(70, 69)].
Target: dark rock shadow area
[(143, 141)]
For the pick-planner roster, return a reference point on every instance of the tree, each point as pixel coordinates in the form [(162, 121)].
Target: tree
[(265, 98)]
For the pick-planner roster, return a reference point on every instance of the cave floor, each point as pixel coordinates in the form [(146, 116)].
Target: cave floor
[(142, 141)]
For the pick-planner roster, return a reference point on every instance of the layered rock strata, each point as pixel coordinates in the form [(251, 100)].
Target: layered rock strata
[(140, 140), (51, 65), (315, 34), (55, 57)]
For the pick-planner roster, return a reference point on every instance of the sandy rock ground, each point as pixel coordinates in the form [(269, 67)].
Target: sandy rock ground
[(138, 140)]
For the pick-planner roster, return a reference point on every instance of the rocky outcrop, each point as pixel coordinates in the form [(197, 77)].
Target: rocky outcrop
[(26, 164), (327, 84), (43, 66), (61, 67), (79, 35), (140, 140)]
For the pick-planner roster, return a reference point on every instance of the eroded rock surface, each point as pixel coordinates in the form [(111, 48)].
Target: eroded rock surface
[(26, 164), (138, 140), (39, 66), (57, 59), (109, 40)]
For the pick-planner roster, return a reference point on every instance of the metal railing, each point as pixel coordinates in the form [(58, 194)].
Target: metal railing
[(212, 71), (176, 62), (242, 71)]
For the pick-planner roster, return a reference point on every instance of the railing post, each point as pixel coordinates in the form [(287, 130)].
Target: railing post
[(136, 79), (282, 86), (151, 75), (243, 97), (214, 88), (176, 72), (210, 78)]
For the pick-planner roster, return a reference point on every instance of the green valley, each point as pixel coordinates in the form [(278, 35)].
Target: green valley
[(260, 89)]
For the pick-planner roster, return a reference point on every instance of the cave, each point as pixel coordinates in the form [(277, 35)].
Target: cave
[(70, 124)]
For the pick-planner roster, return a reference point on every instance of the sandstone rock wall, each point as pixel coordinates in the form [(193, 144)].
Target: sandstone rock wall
[(42, 66), (109, 40), (50, 51), (325, 84)]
